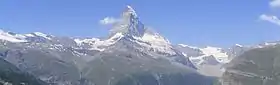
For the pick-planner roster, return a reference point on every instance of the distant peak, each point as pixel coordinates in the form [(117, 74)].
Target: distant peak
[(39, 33), (238, 45), (42, 35), (184, 45)]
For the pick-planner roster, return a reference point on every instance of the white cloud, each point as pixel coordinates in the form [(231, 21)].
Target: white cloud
[(270, 18), (108, 20), (275, 3)]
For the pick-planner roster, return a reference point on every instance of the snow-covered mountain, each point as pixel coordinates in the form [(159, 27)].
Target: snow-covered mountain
[(132, 34), (16, 38), (130, 54), (130, 29), (131, 51), (211, 60), (199, 55)]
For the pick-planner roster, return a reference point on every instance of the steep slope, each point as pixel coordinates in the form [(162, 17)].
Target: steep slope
[(10, 74), (259, 66), (52, 64)]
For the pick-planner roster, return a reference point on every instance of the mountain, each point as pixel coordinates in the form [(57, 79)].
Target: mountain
[(10, 74), (259, 66), (211, 60), (134, 34), (131, 55)]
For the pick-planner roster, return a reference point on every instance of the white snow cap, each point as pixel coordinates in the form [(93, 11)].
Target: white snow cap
[(238, 45), (216, 52), (95, 43), (270, 44), (11, 38), (184, 45), (42, 35)]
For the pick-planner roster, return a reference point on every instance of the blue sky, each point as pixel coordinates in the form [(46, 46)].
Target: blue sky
[(193, 22)]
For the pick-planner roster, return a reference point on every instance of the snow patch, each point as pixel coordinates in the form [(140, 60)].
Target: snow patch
[(183, 45), (11, 38), (29, 35), (97, 43), (216, 52), (131, 11), (266, 44), (156, 42), (185, 54), (238, 45), (42, 35), (270, 44)]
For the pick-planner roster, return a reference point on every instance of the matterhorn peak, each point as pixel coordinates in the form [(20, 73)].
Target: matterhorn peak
[(129, 24), (129, 13), (130, 10)]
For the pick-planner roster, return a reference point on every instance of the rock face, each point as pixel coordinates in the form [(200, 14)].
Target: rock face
[(131, 55), (129, 24), (57, 65), (260, 66)]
